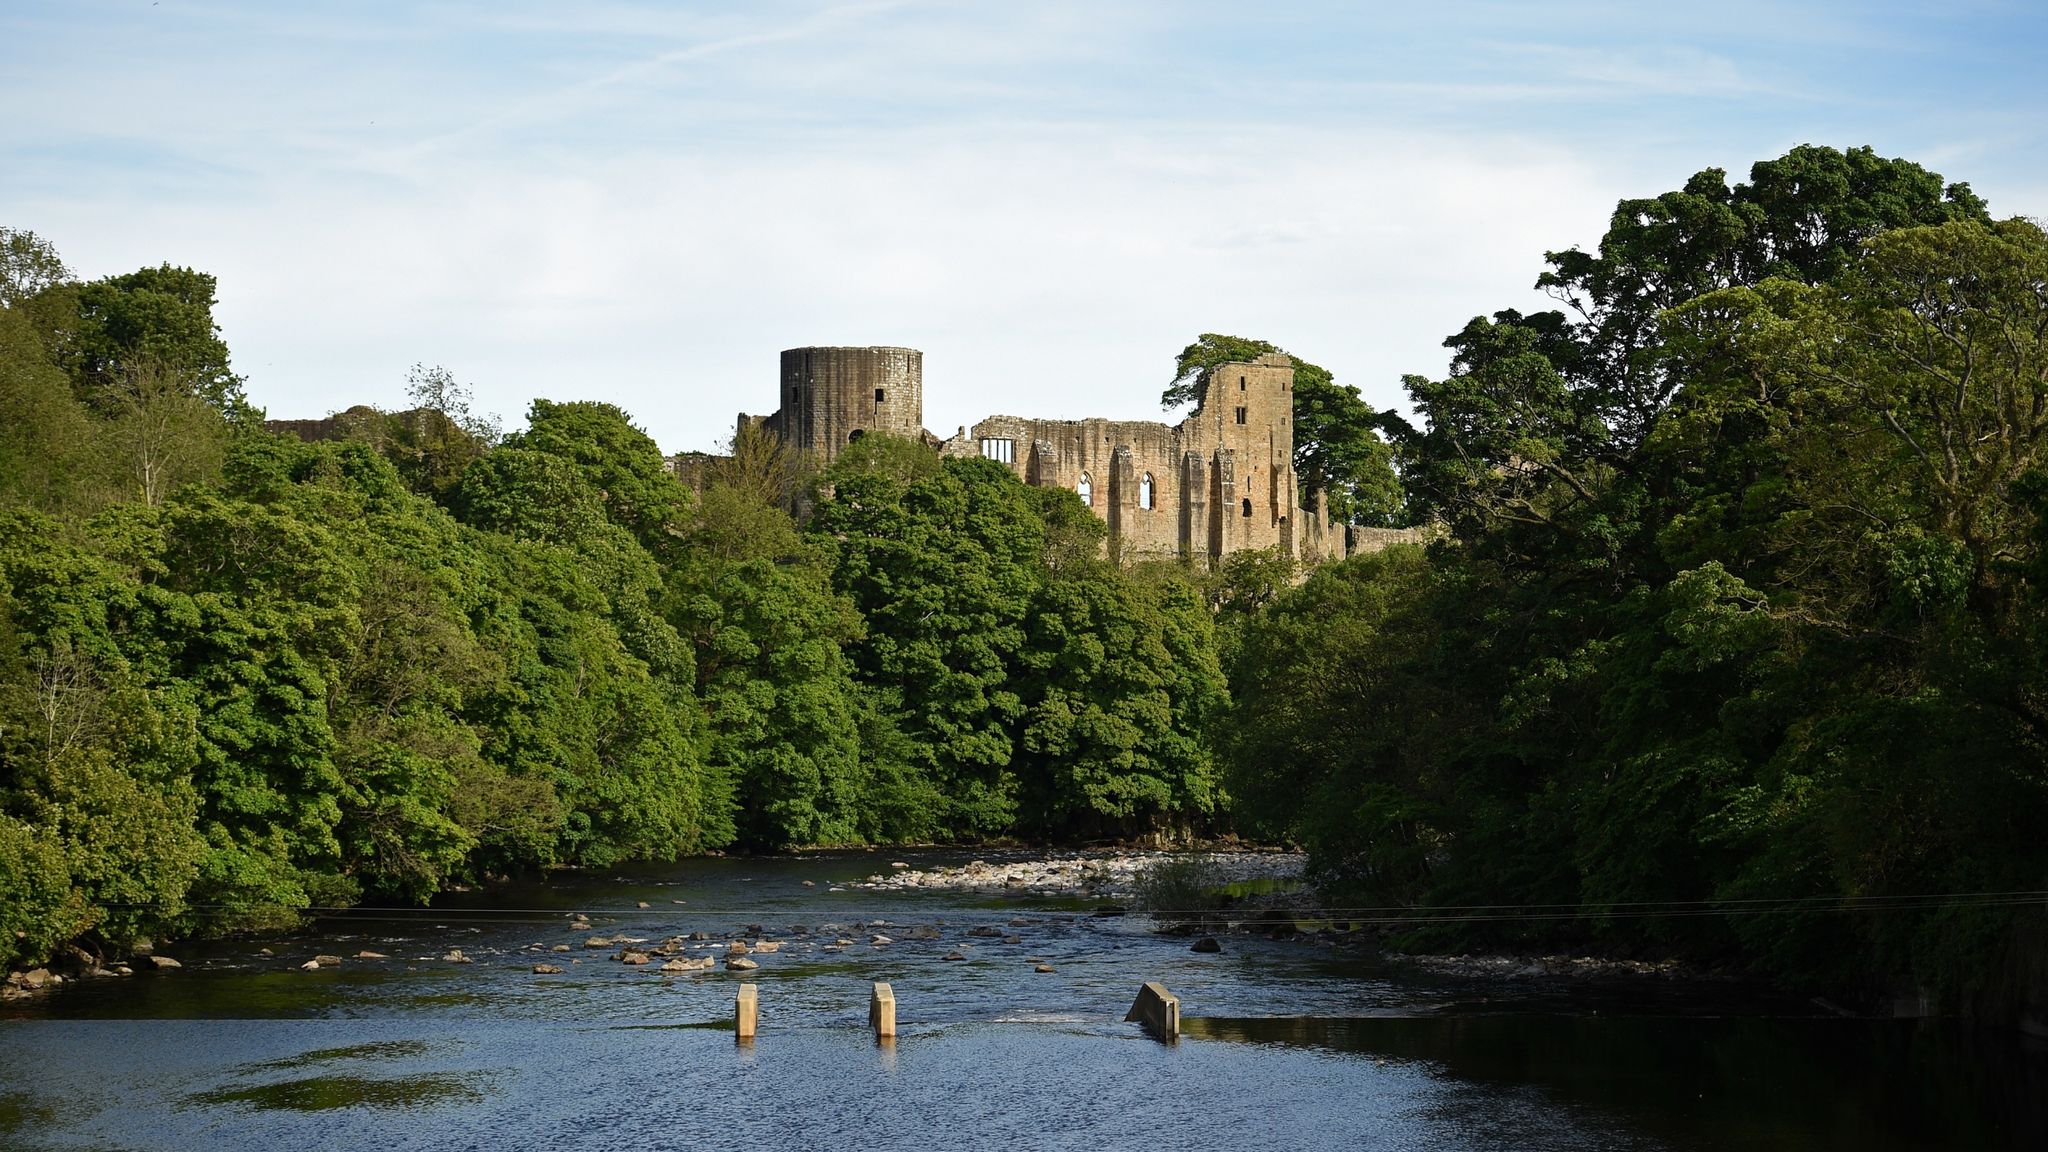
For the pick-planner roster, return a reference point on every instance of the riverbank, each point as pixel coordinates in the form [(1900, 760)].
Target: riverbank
[(1111, 876)]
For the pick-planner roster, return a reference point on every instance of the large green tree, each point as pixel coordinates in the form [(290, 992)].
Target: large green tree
[(1338, 450)]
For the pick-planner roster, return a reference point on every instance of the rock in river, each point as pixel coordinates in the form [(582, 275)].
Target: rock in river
[(740, 963), (547, 970), (1206, 944), (164, 962)]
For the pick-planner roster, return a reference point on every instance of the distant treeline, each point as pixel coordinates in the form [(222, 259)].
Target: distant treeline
[(1729, 645)]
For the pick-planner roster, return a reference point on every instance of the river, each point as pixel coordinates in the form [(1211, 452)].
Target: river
[(1288, 1044)]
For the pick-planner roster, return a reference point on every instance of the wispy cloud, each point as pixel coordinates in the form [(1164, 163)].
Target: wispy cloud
[(646, 201)]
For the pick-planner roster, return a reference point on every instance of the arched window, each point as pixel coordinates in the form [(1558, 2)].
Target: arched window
[(1145, 491), (1086, 490), (854, 435), (1247, 506)]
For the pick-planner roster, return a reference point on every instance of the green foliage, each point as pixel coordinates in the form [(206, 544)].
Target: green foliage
[(1183, 889), (877, 454), (755, 601), (1739, 599), (1338, 451), (1022, 682), (158, 320), (1208, 350), (29, 265)]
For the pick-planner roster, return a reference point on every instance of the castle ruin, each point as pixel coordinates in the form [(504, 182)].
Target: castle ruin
[(1218, 482)]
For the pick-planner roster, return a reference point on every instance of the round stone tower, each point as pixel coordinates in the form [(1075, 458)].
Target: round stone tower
[(831, 396)]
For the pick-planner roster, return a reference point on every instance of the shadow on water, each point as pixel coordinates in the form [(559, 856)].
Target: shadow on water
[(326, 1093), (1721, 1083), (20, 1112), (378, 1050)]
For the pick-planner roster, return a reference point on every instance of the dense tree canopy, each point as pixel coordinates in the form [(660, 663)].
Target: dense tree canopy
[(1735, 606)]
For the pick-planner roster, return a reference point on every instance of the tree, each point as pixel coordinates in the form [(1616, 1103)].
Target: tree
[(942, 571), (1337, 446), (756, 603), (29, 265), (46, 458), (158, 433), (1208, 350), (156, 319)]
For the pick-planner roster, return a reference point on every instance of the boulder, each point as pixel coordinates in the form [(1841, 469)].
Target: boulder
[(634, 958), (985, 930), (455, 956), (1045, 968), (740, 963), (309, 966), (645, 904), (164, 963), (547, 970), (1013, 939), (559, 948), (878, 940), (767, 946), (956, 954), (598, 942), (328, 961), (1206, 944), (366, 954), (737, 948)]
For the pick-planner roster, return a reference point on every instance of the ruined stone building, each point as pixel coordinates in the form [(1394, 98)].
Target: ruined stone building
[(1220, 481)]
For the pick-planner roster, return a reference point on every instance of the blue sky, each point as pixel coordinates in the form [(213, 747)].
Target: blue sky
[(644, 203)]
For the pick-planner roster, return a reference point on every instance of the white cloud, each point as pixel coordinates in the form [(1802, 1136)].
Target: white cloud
[(645, 204), (1044, 270)]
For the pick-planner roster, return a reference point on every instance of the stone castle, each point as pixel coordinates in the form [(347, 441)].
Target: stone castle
[(1220, 481)]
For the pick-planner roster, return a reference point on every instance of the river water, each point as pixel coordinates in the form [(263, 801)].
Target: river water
[(1287, 1044)]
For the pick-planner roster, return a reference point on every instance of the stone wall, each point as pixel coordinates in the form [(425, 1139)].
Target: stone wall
[(1220, 481)]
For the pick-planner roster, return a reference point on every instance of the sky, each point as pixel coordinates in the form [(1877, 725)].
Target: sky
[(644, 203)]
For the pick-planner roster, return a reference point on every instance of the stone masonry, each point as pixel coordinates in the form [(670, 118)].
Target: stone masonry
[(1220, 481)]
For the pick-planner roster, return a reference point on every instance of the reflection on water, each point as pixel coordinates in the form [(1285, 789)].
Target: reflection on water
[(382, 1050), (327, 1093), (1722, 1082), (1289, 1044)]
